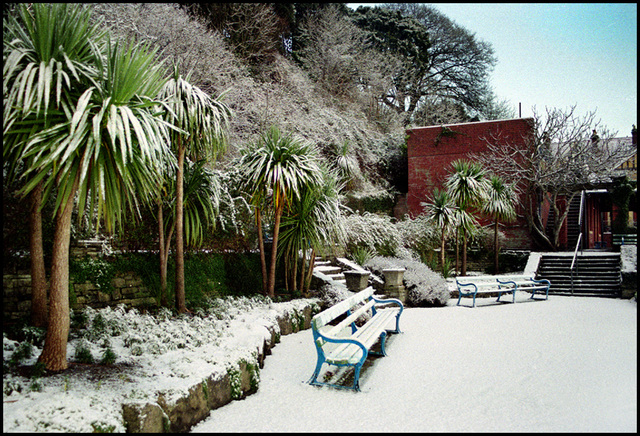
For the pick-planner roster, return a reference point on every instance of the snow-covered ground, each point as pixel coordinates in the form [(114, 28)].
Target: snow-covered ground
[(568, 364), (162, 355)]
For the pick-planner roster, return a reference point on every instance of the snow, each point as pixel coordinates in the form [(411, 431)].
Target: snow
[(565, 364), (165, 356)]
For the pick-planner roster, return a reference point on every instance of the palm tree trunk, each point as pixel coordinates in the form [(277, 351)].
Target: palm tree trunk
[(312, 261), (294, 273), (464, 252), (54, 352), (495, 247), (39, 311), (263, 261), (442, 252), (163, 263), (179, 284), (302, 269), (287, 272), (274, 251), (457, 251)]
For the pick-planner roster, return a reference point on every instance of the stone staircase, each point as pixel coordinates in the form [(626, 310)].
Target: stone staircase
[(329, 269), (573, 223), (595, 274)]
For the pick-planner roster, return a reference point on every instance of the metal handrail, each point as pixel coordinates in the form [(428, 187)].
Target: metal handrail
[(581, 210), (575, 254)]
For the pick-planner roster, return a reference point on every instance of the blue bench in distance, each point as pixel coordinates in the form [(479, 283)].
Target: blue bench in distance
[(471, 286), (346, 344)]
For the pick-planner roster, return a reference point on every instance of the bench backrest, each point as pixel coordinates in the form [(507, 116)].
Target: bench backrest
[(480, 279), (328, 315)]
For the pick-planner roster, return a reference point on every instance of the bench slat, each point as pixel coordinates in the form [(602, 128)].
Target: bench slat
[(351, 318), (367, 335), (341, 345), (328, 315), (470, 286)]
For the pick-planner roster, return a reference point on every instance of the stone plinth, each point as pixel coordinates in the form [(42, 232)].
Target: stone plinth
[(394, 283), (356, 280)]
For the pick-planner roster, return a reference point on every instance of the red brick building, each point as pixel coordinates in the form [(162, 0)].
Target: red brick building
[(431, 150)]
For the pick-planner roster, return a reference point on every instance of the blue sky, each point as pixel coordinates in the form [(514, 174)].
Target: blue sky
[(559, 55)]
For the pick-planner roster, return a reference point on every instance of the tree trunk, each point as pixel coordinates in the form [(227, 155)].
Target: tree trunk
[(163, 263), (179, 284), (303, 269), (442, 253), (274, 252), (39, 310), (54, 352), (263, 261), (457, 251), (312, 261), (464, 252), (496, 248)]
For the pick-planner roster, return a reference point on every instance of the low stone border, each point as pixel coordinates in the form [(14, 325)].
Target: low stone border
[(212, 392)]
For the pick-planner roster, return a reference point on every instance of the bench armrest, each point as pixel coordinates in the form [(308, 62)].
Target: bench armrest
[(388, 300), (543, 281), (507, 282), (319, 336), (392, 301)]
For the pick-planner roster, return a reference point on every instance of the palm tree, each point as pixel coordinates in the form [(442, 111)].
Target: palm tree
[(203, 121), (277, 167), (201, 204), (498, 203), (442, 213), (47, 52), (103, 155), (466, 186), (311, 221)]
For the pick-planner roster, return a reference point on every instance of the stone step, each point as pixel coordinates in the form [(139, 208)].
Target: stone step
[(328, 269)]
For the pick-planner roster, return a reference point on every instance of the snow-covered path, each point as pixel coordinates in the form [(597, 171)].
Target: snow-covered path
[(568, 364)]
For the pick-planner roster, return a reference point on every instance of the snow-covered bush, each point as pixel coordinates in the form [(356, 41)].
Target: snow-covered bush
[(330, 295), (419, 235), (425, 287), (372, 231)]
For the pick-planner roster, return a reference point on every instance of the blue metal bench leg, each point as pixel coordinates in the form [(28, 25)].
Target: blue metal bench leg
[(356, 378), (314, 378)]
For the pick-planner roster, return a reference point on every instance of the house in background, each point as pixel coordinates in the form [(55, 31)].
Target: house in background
[(598, 203), (431, 150)]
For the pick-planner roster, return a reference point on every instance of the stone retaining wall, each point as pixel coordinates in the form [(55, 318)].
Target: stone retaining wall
[(127, 289), (212, 392)]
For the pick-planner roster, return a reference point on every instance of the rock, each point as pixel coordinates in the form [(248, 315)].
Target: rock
[(144, 418)]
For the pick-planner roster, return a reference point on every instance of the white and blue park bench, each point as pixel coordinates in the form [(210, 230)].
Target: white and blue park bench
[(471, 286), (346, 344)]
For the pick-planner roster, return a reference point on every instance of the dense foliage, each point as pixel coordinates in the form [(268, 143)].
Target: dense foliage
[(325, 74)]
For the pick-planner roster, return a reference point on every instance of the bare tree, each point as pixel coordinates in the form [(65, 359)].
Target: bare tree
[(459, 63), (339, 58), (562, 156)]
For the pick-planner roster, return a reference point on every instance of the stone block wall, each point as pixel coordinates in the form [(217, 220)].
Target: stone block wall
[(127, 289)]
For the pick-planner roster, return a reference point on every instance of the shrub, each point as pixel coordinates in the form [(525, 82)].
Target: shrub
[(108, 357), (425, 287), (83, 353), (330, 295), (23, 351), (361, 255), (372, 231)]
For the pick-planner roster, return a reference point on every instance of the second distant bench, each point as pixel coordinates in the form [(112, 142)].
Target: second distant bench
[(470, 286)]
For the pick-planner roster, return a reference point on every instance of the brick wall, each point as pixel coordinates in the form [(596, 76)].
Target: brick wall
[(431, 150)]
